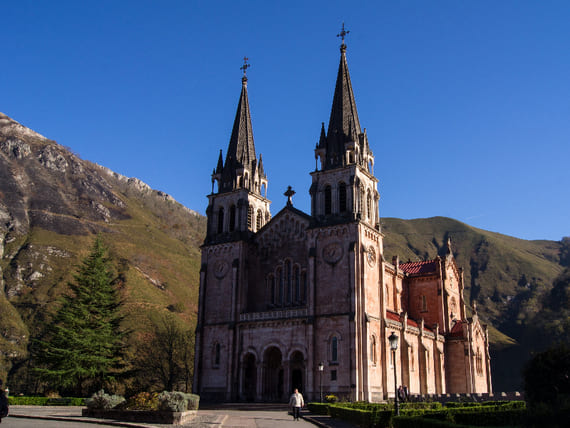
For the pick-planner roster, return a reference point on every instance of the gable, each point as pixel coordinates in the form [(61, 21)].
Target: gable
[(288, 225)]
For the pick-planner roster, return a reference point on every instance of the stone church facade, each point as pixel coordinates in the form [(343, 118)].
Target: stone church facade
[(281, 295)]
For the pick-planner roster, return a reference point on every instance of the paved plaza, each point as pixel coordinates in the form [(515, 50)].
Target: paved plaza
[(253, 417)]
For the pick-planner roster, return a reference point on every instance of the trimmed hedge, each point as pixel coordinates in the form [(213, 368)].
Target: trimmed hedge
[(318, 408), (414, 422), (46, 401)]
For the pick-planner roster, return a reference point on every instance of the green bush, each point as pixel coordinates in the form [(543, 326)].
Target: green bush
[(491, 417), (103, 401), (176, 401), (46, 401), (142, 401), (27, 401), (318, 408)]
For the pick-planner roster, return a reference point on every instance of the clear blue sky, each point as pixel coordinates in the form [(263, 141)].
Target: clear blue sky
[(466, 103)]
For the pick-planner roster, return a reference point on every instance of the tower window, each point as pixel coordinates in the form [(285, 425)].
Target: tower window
[(280, 280), (373, 349), (258, 220), (250, 217), (232, 218), (369, 206), (328, 200), (221, 220), (288, 281), (297, 281), (342, 197), (424, 304)]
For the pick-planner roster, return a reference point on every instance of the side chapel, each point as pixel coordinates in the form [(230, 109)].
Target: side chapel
[(281, 295)]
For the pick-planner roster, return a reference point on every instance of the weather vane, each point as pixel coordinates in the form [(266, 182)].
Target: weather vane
[(245, 65), (343, 33)]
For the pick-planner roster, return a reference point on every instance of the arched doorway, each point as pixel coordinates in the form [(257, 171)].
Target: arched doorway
[(249, 377), (297, 365), (273, 375)]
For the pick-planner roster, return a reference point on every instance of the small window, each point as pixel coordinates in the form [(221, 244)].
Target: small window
[(334, 349), (217, 355), (373, 349), (424, 304), (333, 375)]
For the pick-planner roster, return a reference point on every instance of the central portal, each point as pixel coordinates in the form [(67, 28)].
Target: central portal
[(273, 376)]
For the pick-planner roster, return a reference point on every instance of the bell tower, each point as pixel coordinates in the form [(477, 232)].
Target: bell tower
[(238, 205), (344, 188)]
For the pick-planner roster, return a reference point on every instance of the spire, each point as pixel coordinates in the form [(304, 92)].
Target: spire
[(344, 125), (241, 149)]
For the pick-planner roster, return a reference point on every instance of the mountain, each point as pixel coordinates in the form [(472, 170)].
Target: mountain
[(52, 203)]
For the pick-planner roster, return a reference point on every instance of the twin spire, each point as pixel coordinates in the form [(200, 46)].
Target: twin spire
[(242, 170)]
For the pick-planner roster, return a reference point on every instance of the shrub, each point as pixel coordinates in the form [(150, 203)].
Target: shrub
[(143, 401), (331, 398), (100, 400), (46, 401), (318, 408), (176, 401)]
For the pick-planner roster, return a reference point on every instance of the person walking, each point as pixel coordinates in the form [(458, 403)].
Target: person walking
[(296, 402)]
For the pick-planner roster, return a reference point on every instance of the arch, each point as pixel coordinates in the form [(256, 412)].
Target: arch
[(342, 197), (232, 218), (221, 220), (328, 199), (249, 378), (273, 381), (250, 217), (258, 220), (297, 370)]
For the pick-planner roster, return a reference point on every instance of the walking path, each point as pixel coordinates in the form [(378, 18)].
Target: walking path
[(230, 416)]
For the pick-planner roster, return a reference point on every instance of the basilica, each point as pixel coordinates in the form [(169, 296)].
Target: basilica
[(309, 300)]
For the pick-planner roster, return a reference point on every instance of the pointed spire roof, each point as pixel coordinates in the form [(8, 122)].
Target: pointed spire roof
[(344, 125), (241, 150)]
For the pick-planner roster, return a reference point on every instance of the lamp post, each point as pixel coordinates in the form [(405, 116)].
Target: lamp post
[(321, 368), (393, 346)]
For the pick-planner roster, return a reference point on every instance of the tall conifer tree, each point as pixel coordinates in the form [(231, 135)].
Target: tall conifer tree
[(84, 341)]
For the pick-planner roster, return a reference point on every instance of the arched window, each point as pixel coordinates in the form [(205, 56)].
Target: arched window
[(328, 200), (297, 284), (271, 285), (368, 206), (288, 281), (342, 197), (280, 285), (373, 349), (250, 217), (304, 287), (258, 220), (232, 218), (334, 349), (221, 220)]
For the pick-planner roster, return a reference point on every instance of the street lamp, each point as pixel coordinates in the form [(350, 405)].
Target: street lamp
[(321, 368), (393, 346)]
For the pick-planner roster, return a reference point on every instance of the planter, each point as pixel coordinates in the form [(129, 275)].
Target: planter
[(150, 416)]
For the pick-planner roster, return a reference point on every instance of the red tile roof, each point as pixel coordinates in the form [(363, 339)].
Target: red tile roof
[(457, 330), (393, 316), (428, 266)]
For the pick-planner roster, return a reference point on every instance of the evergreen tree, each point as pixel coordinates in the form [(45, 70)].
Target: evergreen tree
[(84, 341)]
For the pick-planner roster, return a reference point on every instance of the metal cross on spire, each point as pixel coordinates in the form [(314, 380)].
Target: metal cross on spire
[(245, 66), (343, 33)]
